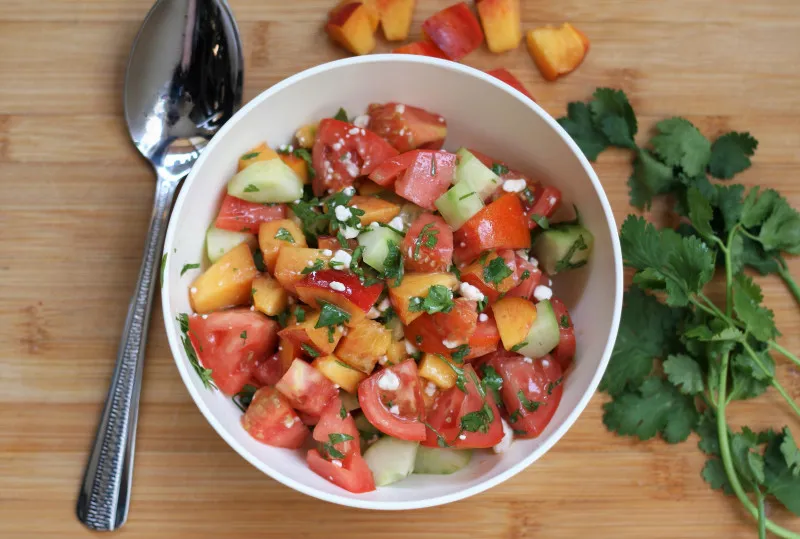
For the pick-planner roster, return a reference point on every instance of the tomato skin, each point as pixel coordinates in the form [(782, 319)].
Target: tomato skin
[(506, 76), (486, 337), (407, 128), (217, 340), (331, 422), (267, 371), (271, 420), (388, 171), (306, 389), (533, 379), (422, 48), (405, 424), (429, 259), (353, 475), (354, 291), (546, 202), (340, 157), (427, 178), (455, 30), (458, 324), (565, 351), (500, 225), (241, 216), (526, 287)]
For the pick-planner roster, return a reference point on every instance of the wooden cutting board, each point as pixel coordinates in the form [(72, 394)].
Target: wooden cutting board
[(74, 205)]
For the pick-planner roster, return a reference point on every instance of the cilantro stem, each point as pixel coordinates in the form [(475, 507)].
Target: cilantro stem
[(777, 347), (727, 461), (729, 273), (773, 382), (762, 515), (787, 278)]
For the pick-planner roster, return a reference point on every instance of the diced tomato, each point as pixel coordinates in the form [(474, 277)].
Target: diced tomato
[(531, 391), (475, 274), (267, 370), (506, 76), (306, 388), (546, 202), (565, 351), (271, 420), (457, 325), (332, 422), (447, 416), (421, 48), (363, 297), (332, 243), (500, 225), (407, 128), (418, 255), (486, 337), (389, 170), (342, 152), (455, 30), (428, 177), (423, 334), (242, 216), (351, 473), (230, 342), (526, 286), (395, 412)]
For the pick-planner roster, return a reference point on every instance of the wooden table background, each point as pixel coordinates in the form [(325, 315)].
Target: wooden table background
[(74, 203)]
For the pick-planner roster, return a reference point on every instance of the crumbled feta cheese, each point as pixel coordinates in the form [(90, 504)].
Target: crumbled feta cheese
[(441, 119), (349, 191), (410, 348), (394, 409), (327, 252), (508, 437), (533, 387), (349, 232), (522, 253), (337, 463), (385, 304), (373, 313), (430, 389), (383, 359), (552, 200), (389, 381), (204, 317), (514, 186), (297, 201), (343, 257), (526, 359), (399, 108), (336, 146), (336, 285), (462, 244), (402, 131), (361, 121), (545, 363), (374, 224), (533, 261), (288, 421), (353, 131), (542, 292), (252, 308), (288, 148), (483, 317), (193, 290), (309, 263), (470, 292), (450, 344), (397, 223), (462, 436), (342, 213)]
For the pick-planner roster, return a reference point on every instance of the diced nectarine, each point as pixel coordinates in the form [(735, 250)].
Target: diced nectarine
[(475, 274), (396, 353), (339, 372), (292, 261), (375, 209), (288, 351), (276, 234), (369, 188), (416, 285), (262, 152), (269, 297), (364, 345), (306, 135), (501, 24), (437, 370), (395, 18), (298, 165), (350, 24), (514, 317), (557, 51), (304, 333), (227, 283)]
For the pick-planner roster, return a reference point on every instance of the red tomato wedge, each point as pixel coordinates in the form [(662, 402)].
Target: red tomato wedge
[(421, 48), (271, 420), (230, 342), (242, 216), (340, 433), (486, 337), (464, 419), (351, 473), (267, 370), (546, 202), (428, 245), (391, 399), (424, 333), (459, 324), (500, 225), (565, 351), (527, 284), (455, 30), (306, 388), (427, 178), (316, 287), (388, 171), (407, 128), (531, 391), (342, 152), (506, 76)]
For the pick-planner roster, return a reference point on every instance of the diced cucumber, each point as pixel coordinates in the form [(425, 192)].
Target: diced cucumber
[(391, 460), (349, 400), (441, 461), (544, 333), (376, 245), (563, 247), (219, 242), (266, 181), (458, 204), (480, 177), (409, 213)]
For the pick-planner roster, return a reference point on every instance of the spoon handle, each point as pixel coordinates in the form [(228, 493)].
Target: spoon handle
[(105, 491)]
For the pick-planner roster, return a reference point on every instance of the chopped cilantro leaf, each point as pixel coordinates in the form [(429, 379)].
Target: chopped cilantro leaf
[(187, 267), (308, 350), (284, 235), (251, 188), (496, 271), (330, 315)]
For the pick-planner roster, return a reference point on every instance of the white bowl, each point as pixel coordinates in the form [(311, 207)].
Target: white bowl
[(482, 113)]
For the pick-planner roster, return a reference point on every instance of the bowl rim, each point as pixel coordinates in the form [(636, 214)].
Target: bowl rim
[(176, 347)]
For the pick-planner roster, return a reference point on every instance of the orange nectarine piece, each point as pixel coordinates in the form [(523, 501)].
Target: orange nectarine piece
[(557, 51), (501, 24), (350, 24), (395, 18)]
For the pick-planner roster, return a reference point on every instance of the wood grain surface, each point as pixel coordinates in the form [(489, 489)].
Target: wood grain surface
[(75, 198)]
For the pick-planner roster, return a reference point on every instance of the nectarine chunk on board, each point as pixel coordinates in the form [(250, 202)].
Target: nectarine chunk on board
[(557, 51)]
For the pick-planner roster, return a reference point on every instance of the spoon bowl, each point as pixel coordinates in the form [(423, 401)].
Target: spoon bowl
[(183, 82)]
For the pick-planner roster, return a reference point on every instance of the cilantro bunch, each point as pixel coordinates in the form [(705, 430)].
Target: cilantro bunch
[(680, 358)]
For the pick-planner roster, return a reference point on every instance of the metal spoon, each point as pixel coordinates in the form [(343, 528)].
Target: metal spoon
[(183, 81)]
